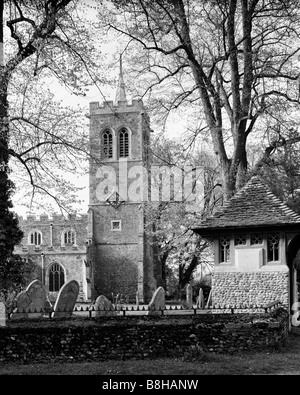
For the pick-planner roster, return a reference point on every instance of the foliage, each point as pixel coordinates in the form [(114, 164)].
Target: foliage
[(15, 273), (49, 140), (195, 353), (48, 44), (282, 175), (180, 251), (44, 41), (9, 296), (9, 231)]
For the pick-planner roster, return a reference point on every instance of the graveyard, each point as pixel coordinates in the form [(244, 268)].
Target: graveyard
[(36, 332)]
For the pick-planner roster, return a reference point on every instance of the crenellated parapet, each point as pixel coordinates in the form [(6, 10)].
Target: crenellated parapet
[(109, 107), (45, 219)]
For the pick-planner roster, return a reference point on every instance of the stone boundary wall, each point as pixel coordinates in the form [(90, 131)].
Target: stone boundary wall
[(250, 288), (140, 337)]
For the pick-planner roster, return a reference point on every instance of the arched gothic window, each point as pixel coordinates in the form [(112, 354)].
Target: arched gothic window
[(108, 144), (56, 277), (273, 242), (123, 143), (35, 238), (224, 249), (69, 237)]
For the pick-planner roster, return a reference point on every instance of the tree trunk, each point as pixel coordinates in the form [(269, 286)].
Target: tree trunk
[(10, 233)]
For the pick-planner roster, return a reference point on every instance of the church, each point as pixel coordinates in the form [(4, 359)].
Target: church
[(255, 236), (107, 250)]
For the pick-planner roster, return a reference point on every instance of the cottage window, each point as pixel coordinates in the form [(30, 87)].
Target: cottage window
[(224, 248), (108, 144), (256, 238), (123, 143), (273, 246), (240, 240), (56, 277)]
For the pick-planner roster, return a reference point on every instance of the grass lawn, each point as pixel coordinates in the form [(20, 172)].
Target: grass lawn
[(283, 362)]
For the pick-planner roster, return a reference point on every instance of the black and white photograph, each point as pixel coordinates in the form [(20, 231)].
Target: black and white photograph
[(149, 190)]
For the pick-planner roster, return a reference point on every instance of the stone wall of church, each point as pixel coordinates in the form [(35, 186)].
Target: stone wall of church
[(119, 252), (59, 225), (53, 249), (116, 270), (124, 260), (252, 288)]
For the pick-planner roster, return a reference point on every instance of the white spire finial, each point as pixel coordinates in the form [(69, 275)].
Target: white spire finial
[(121, 93)]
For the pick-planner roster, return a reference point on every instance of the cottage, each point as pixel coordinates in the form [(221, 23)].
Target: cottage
[(256, 238)]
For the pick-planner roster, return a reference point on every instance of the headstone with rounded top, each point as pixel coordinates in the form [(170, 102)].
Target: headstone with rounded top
[(66, 300), (31, 303), (157, 302), (104, 306), (209, 300), (201, 302)]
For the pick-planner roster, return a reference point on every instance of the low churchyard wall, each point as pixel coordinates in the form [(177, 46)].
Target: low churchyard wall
[(140, 337)]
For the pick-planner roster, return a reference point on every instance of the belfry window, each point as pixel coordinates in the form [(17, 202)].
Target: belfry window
[(108, 144), (35, 238), (123, 143), (56, 277)]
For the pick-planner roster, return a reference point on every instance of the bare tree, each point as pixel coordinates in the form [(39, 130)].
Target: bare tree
[(236, 60), (42, 38), (48, 147)]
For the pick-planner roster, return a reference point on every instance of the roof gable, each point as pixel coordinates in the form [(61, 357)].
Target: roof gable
[(253, 206)]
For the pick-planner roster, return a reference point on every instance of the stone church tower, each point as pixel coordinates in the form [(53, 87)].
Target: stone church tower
[(121, 254)]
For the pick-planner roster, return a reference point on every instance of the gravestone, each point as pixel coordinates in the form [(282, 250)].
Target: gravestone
[(201, 299), (2, 314), (189, 296), (66, 300), (104, 306), (209, 300), (157, 302), (31, 303)]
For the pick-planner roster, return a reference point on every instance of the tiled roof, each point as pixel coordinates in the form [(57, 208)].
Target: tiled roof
[(253, 205)]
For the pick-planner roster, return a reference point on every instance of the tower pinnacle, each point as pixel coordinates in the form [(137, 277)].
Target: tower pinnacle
[(121, 93)]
